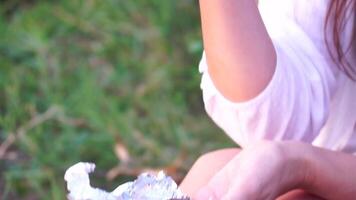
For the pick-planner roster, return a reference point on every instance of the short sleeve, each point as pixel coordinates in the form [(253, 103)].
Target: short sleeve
[(293, 106)]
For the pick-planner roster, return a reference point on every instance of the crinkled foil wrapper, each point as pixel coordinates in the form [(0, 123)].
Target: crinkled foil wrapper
[(145, 187)]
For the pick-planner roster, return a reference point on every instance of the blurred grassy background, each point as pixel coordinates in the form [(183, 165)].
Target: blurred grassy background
[(114, 82)]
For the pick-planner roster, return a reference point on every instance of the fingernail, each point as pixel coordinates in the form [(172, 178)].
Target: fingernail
[(204, 194)]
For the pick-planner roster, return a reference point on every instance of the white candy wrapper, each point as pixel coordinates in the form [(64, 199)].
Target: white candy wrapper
[(145, 187)]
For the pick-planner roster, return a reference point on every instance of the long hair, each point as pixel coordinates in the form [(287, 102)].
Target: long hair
[(336, 18)]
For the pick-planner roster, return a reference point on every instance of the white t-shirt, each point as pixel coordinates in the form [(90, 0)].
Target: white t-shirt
[(308, 99)]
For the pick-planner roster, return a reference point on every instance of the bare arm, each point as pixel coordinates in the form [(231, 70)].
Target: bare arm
[(333, 174), (239, 52)]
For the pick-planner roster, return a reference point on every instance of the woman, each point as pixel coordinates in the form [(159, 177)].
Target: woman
[(279, 79)]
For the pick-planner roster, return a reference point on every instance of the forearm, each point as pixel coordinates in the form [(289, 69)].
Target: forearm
[(329, 174), (240, 54)]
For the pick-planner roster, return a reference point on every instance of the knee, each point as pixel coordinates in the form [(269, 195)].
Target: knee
[(204, 168), (216, 157)]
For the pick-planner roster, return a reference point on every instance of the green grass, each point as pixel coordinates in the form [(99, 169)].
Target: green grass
[(113, 71)]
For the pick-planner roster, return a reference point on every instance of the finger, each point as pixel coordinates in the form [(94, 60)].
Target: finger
[(244, 190), (217, 187), (205, 194)]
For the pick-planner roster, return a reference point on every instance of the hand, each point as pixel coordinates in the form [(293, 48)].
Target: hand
[(262, 171)]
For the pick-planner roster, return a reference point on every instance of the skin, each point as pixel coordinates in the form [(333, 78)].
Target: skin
[(240, 54), (273, 170), (200, 175)]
